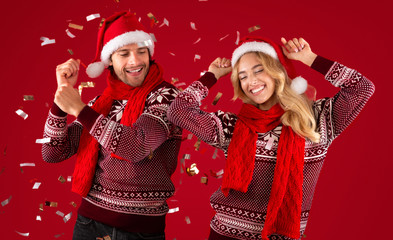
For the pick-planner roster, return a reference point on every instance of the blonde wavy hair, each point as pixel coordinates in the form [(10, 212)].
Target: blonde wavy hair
[(298, 108)]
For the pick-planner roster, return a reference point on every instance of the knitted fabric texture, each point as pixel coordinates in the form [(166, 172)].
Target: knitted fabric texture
[(284, 208), (87, 154)]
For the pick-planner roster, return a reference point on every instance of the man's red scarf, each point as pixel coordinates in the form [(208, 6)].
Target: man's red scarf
[(88, 150), (285, 202)]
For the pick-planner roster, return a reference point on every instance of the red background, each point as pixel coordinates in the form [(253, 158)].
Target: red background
[(353, 197)]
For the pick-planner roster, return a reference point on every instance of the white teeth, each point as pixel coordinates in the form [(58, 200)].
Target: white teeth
[(257, 90), (136, 70)]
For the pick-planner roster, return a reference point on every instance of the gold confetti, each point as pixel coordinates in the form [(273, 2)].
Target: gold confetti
[(204, 179), (254, 28), (218, 96), (73, 204), (61, 179), (101, 23), (174, 80), (153, 19), (117, 1), (151, 154), (75, 26), (70, 52), (28, 98), (192, 170), (85, 85), (41, 207), (197, 145), (50, 204)]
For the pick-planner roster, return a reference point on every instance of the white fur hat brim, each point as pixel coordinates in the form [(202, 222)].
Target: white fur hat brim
[(253, 47)]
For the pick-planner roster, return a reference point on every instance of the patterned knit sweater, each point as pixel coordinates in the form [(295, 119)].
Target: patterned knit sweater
[(242, 215), (130, 195)]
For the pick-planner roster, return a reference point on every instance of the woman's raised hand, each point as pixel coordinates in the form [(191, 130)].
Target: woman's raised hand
[(220, 67), (298, 49)]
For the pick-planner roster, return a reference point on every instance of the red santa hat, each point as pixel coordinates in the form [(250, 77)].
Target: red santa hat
[(264, 45), (118, 30)]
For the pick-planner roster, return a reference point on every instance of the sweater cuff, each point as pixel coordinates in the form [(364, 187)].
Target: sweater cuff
[(88, 117), (55, 110), (322, 65), (208, 80)]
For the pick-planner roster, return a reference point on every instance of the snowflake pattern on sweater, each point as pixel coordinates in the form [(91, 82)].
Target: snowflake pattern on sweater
[(139, 185), (242, 215)]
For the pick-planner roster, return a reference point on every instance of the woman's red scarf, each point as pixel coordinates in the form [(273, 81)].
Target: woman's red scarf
[(88, 150), (285, 202)]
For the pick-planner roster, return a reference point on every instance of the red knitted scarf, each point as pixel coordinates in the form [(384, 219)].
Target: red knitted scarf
[(285, 202), (88, 150)]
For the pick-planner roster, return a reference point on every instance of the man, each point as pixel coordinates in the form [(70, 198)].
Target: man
[(126, 148)]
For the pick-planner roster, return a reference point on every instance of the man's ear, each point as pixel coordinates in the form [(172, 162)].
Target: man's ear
[(110, 61)]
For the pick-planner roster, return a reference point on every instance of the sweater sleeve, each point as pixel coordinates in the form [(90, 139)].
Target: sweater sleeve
[(64, 139), (335, 114), (134, 142), (213, 128)]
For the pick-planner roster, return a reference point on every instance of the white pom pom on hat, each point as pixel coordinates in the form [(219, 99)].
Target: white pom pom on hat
[(267, 46), (117, 31)]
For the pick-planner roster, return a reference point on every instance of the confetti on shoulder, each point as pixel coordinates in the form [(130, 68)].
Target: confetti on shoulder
[(46, 41)]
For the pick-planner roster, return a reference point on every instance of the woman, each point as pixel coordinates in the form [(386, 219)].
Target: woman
[(276, 145)]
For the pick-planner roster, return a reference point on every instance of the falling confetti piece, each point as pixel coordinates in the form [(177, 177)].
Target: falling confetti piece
[(203, 73), (43, 140), (180, 84), (192, 170), (197, 57), (50, 204), (92, 17), (85, 85), (193, 25), (152, 18), (38, 218), (254, 28), (73, 204), (28, 98), (36, 185), (223, 37), (237, 38), (2, 170), (23, 234), (189, 136), (174, 80), (67, 217), (197, 145), (5, 202), (70, 34), (204, 180), (218, 96), (101, 23), (187, 156), (46, 41), (27, 165), (215, 154), (60, 214), (197, 41), (171, 53), (69, 178), (75, 26), (117, 1), (70, 52), (22, 114), (61, 179), (187, 219), (58, 235), (217, 174), (41, 207), (166, 22), (173, 210)]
